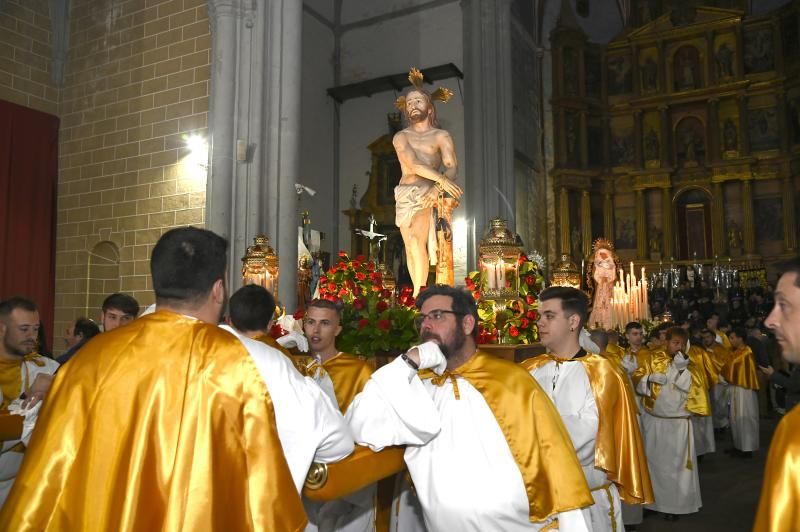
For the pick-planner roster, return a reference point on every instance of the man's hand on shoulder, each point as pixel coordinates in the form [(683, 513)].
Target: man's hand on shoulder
[(38, 390)]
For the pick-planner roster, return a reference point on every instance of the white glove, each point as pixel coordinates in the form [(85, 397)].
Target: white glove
[(431, 357), (629, 363), (31, 414), (657, 378), (680, 361), (294, 339)]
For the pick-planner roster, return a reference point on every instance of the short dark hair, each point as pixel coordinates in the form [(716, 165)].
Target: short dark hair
[(13, 303), (185, 264), (463, 302), (573, 301), (251, 308), (632, 325), (599, 336), (86, 328), (740, 332), (124, 302), (672, 332), (790, 266), (337, 306)]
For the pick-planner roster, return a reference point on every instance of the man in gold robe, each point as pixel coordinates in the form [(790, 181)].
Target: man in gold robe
[(779, 505), (596, 404), (486, 449), (24, 378), (170, 422), (673, 389), (742, 377)]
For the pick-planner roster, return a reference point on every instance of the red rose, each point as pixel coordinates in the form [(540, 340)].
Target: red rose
[(469, 283), (350, 284), (522, 258), (376, 288), (381, 306), (531, 314), (299, 314), (323, 279), (342, 265), (332, 298), (343, 292), (363, 322), (355, 264), (276, 331), (384, 325), (375, 276), (343, 254), (530, 280), (513, 331), (406, 290), (476, 295), (331, 286), (370, 266), (356, 291), (361, 258), (524, 323), (386, 293), (359, 303), (530, 299), (361, 276)]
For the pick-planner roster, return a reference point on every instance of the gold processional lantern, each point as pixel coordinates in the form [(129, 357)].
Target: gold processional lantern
[(565, 273), (260, 265), (498, 254)]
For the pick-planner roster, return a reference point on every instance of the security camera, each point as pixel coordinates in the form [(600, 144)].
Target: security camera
[(300, 188)]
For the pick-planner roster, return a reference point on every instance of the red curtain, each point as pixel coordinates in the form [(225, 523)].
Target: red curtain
[(28, 186)]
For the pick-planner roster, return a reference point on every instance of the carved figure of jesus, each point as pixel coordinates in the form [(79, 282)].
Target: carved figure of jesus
[(428, 162), (605, 274)]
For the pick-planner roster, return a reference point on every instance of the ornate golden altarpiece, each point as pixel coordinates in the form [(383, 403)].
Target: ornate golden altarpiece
[(681, 137)]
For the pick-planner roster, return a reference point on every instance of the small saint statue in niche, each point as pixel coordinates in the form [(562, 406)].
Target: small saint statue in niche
[(651, 146), (730, 136), (649, 75), (655, 242), (724, 59), (691, 150), (686, 69), (734, 235)]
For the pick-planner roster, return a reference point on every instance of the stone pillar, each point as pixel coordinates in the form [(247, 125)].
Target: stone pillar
[(584, 140), (789, 228), (747, 217), (712, 131), (563, 220), (608, 216), (669, 237), (637, 139), (784, 123), (255, 103), (665, 136), (586, 223), (718, 219), (744, 131), (489, 142), (641, 226)]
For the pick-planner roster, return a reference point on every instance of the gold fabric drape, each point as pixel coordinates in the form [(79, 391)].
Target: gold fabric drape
[(349, 374), (534, 431), (614, 353), (703, 359), (696, 402), (619, 450), (740, 369), (163, 424), (779, 505), (299, 362)]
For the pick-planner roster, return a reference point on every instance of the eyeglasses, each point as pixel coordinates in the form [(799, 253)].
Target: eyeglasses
[(434, 315)]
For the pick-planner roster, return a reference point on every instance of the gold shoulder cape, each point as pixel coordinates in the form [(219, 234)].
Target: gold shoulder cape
[(349, 374), (779, 505), (619, 450), (615, 353), (740, 370), (163, 424), (535, 434), (703, 359), (696, 402)]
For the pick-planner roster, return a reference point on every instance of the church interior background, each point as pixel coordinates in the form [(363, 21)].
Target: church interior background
[(669, 127)]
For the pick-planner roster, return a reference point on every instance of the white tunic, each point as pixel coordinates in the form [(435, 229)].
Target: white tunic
[(567, 384), (11, 460), (703, 428), (744, 418), (670, 447), (459, 460), (310, 427)]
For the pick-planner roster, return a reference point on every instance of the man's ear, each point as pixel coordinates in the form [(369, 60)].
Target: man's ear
[(468, 324), (574, 322), (218, 291)]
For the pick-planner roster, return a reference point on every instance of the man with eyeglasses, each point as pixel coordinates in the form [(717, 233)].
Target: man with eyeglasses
[(486, 449), (597, 406), (25, 378)]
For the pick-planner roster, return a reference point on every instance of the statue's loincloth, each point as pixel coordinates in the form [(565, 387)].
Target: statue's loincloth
[(408, 202)]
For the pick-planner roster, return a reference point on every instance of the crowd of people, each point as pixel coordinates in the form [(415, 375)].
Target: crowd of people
[(192, 416)]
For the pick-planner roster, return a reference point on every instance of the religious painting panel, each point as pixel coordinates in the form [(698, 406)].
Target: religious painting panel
[(793, 108), (763, 129), (693, 216), (729, 128), (625, 228), (768, 213), (690, 142), (572, 139), (622, 141), (651, 141), (759, 55), (686, 71), (790, 37), (593, 64), (725, 57), (570, 71), (594, 137), (648, 70), (619, 76)]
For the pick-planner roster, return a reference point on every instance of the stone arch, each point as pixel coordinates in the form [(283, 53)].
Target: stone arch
[(102, 275)]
